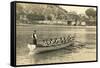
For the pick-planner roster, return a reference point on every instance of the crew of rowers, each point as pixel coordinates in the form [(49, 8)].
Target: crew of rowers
[(58, 41)]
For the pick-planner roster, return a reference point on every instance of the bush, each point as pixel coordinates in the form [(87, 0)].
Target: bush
[(34, 17)]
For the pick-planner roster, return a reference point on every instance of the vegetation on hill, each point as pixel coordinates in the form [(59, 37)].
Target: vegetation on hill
[(31, 13)]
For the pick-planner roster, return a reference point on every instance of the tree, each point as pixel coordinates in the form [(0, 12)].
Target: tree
[(35, 17), (19, 8), (90, 13)]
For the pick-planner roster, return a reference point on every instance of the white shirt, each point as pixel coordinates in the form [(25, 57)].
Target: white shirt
[(34, 35)]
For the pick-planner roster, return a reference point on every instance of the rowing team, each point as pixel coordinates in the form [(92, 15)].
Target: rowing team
[(58, 41)]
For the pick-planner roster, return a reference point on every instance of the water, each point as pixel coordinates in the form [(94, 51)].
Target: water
[(83, 34)]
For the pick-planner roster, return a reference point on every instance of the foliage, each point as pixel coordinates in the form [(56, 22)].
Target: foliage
[(90, 12), (32, 17)]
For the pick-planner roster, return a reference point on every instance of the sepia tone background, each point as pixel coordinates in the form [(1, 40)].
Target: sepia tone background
[(55, 21), (5, 34)]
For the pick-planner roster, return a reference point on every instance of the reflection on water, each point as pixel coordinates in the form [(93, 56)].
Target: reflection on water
[(68, 54)]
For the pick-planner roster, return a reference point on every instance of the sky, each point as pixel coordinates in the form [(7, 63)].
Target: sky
[(79, 10)]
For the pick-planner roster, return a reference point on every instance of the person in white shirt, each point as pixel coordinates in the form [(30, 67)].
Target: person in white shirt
[(34, 37)]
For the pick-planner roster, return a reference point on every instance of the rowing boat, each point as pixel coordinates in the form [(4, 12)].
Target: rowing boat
[(39, 49)]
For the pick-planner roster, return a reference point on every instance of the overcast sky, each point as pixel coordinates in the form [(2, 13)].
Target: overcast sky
[(79, 10)]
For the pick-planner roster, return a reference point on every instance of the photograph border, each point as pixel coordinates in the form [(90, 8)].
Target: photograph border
[(13, 33)]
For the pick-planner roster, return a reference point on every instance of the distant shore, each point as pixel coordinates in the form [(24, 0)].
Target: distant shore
[(56, 25)]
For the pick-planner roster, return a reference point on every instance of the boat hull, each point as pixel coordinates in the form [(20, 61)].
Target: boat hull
[(39, 49)]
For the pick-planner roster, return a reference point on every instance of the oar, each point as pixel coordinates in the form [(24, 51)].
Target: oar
[(80, 44)]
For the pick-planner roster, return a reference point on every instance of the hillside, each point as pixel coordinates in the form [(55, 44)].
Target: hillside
[(32, 12)]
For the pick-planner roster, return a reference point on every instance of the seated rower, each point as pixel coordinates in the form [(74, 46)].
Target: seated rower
[(45, 43), (51, 42), (61, 40), (64, 40), (68, 38), (73, 38), (58, 41), (55, 41), (48, 42)]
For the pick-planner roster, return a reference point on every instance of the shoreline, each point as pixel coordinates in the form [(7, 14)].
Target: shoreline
[(58, 25)]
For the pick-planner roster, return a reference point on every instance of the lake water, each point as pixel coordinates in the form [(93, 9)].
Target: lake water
[(84, 34)]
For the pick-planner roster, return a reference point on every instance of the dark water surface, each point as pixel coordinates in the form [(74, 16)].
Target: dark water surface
[(84, 34)]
